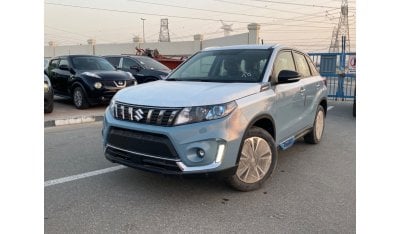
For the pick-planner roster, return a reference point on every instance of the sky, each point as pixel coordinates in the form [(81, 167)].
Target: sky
[(306, 24)]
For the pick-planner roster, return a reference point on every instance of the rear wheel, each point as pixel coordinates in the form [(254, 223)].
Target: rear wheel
[(80, 100), (258, 158), (314, 137)]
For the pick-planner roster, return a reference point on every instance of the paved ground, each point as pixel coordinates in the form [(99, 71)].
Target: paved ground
[(64, 108), (312, 190)]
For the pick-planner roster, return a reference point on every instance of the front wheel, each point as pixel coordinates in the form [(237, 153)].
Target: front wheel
[(80, 100), (258, 158), (314, 137)]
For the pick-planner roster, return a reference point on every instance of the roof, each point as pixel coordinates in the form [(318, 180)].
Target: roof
[(233, 47)]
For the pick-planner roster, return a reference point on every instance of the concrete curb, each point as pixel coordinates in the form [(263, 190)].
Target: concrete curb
[(73, 120)]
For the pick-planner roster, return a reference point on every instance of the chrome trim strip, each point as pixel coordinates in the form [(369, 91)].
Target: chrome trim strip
[(149, 115), (171, 117), (160, 116), (123, 111), (120, 86), (142, 154), (130, 111), (185, 168), (116, 110)]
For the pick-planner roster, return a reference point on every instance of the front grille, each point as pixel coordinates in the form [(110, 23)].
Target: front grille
[(143, 143), (145, 114), (118, 83), (143, 162)]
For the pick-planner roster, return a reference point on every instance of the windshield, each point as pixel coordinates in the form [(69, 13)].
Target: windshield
[(152, 64), (242, 65), (90, 63)]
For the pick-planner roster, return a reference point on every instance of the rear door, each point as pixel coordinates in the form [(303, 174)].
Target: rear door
[(289, 105), (311, 83)]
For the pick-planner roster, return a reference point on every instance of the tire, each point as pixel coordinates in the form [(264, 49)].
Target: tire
[(79, 98), (315, 135), (255, 165), (49, 108)]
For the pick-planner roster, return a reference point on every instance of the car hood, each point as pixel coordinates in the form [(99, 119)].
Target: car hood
[(185, 93), (109, 75)]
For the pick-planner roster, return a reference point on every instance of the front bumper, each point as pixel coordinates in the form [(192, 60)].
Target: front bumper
[(138, 145)]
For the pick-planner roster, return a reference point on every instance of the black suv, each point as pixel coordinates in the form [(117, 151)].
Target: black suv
[(143, 68), (87, 79)]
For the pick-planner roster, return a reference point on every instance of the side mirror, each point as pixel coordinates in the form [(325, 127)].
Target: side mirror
[(288, 76), (64, 67), (137, 68)]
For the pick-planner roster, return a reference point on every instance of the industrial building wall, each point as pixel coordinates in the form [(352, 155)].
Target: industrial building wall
[(182, 48), (239, 39), (115, 49)]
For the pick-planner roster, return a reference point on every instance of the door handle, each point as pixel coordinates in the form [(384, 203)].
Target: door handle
[(318, 85), (302, 90)]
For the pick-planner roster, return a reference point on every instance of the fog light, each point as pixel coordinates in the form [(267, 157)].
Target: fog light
[(98, 85), (201, 153)]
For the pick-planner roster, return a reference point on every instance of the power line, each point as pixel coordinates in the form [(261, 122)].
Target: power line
[(215, 11), (144, 13)]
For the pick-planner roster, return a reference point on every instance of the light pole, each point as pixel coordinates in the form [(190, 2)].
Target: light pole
[(143, 28)]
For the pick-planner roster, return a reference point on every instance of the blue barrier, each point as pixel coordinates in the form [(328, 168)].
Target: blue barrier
[(334, 67)]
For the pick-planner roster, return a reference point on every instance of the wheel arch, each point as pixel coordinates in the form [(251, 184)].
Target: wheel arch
[(77, 84), (264, 121), (324, 103)]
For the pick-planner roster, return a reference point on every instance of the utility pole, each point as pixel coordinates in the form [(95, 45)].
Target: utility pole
[(143, 29)]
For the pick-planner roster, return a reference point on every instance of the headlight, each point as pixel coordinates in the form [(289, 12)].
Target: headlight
[(204, 113), (46, 87), (98, 85), (112, 107), (91, 74)]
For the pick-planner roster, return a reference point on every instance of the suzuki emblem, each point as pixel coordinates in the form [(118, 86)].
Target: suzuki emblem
[(138, 114)]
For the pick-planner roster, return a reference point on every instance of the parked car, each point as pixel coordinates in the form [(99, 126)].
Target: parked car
[(87, 79), (143, 68), (226, 110), (48, 95)]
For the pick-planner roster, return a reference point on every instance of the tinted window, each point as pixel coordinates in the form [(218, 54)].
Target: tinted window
[(63, 62), (53, 64), (151, 64), (313, 69), (128, 63), (224, 66), (113, 60), (92, 63), (301, 64), (284, 61)]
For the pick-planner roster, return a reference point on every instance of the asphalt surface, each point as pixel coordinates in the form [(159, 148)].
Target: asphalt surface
[(313, 190), (64, 108)]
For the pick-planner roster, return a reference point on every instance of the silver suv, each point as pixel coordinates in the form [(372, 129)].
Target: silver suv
[(226, 109)]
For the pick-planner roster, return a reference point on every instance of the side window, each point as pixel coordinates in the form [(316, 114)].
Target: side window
[(128, 63), (114, 61), (53, 64), (302, 65), (314, 70), (284, 61), (63, 62)]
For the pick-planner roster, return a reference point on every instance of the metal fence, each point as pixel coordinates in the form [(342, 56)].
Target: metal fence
[(338, 70)]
